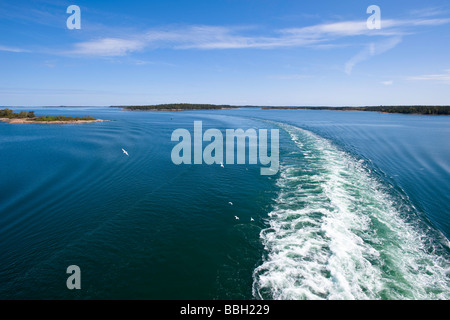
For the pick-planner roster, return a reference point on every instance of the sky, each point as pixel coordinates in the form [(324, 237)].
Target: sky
[(239, 52)]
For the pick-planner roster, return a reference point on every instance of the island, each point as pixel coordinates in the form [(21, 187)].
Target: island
[(419, 109), (176, 107), (8, 115), (425, 110)]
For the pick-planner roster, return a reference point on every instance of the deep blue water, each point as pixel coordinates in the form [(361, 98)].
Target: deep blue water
[(359, 209)]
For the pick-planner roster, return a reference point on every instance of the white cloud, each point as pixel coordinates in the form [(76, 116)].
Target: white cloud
[(142, 62), (371, 50), (387, 83), (212, 37), (429, 12), (346, 28), (443, 77), (12, 49), (219, 37), (108, 47), (289, 76), (429, 22)]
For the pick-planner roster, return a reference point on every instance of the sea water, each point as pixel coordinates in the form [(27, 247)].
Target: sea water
[(358, 210)]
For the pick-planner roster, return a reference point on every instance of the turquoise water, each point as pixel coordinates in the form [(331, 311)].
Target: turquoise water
[(359, 209)]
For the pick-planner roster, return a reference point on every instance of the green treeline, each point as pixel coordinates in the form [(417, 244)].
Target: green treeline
[(178, 106), (10, 114), (63, 118), (431, 110)]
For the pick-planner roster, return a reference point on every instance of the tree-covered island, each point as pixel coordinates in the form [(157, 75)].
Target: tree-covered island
[(176, 107), (8, 115), (426, 110)]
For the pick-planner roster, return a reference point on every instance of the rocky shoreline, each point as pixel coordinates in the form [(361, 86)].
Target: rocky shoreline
[(28, 120)]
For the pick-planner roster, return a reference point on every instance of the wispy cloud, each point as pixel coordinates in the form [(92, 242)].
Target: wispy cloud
[(219, 37), (108, 47), (12, 49), (48, 13), (429, 22), (429, 12), (345, 28), (203, 37), (443, 77), (289, 76), (371, 50), (387, 83)]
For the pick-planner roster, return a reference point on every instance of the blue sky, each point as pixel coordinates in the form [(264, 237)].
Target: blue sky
[(242, 52)]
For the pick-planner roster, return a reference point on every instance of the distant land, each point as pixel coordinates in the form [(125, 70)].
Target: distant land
[(8, 115), (176, 107), (426, 110), (418, 109)]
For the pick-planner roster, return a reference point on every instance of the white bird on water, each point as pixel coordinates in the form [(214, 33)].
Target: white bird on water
[(237, 218), (221, 164), (230, 203), (124, 151), (251, 219)]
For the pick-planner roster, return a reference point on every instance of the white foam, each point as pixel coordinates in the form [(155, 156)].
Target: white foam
[(335, 234)]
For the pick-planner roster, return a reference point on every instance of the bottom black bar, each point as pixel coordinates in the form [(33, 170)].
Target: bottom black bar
[(155, 309)]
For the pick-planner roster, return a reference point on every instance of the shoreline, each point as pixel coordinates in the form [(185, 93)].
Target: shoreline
[(356, 110), (20, 121), (125, 109)]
